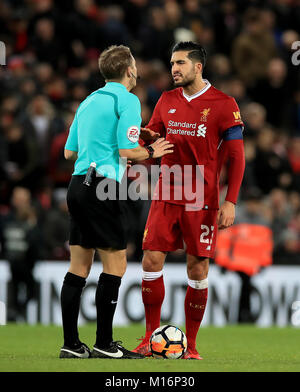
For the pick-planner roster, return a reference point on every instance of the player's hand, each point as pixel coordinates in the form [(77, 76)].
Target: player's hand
[(147, 135), (162, 147), (226, 215)]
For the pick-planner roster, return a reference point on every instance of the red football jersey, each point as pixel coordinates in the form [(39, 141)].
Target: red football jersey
[(194, 124)]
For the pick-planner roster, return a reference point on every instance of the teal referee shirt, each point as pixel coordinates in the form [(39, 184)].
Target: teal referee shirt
[(108, 119)]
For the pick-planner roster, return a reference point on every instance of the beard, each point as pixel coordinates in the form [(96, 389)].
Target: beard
[(185, 81)]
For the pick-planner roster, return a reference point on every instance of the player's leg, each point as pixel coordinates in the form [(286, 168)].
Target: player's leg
[(153, 293), (161, 235), (153, 289), (199, 228), (196, 297), (114, 266), (74, 282)]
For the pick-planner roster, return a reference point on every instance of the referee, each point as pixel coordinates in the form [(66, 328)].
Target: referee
[(106, 127)]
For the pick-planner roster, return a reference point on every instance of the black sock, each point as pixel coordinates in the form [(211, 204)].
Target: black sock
[(70, 304), (106, 301)]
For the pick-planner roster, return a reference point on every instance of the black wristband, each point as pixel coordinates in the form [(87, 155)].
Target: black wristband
[(150, 151)]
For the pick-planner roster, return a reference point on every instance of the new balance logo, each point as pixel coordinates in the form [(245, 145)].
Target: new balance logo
[(201, 130), (172, 111)]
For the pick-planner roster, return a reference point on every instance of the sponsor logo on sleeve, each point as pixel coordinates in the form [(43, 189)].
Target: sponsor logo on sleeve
[(133, 134), (237, 116)]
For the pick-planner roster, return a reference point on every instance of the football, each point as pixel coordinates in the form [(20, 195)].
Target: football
[(168, 342)]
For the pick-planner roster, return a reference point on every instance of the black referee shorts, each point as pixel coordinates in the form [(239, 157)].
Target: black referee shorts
[(96, 223)]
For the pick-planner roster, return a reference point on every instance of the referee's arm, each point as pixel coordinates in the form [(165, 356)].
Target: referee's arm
[(71, 146), (135, 154), (70, 155), (160, 148)]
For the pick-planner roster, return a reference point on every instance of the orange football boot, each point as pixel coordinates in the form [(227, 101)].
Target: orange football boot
[(144, 347), (191, 353)]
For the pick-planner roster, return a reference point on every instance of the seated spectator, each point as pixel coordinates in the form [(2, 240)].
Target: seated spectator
[(254, 116), (22, 157), (271, 169), (44, 43), (253, 48), (274, 94), (40, 122), (156, 30)]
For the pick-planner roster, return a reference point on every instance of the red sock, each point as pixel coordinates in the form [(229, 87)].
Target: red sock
[(194, 306), (153, 293)]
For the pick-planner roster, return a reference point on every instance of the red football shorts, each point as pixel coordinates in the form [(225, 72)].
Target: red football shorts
[(169, 226)]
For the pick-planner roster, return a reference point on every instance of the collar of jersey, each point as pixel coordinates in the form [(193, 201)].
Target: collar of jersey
[(115, 84), (196, 95)]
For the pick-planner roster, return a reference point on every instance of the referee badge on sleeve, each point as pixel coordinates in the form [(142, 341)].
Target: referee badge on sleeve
[(133, 134)]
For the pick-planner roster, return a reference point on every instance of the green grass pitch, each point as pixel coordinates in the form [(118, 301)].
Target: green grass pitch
[(25, 348)]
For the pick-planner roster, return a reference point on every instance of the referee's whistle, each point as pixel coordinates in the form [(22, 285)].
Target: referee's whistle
[(90, 174)]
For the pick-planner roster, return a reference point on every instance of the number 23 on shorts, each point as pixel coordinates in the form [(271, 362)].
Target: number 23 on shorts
[(207, 235)]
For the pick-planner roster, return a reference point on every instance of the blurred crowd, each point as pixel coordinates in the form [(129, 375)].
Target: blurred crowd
[(52, 50)]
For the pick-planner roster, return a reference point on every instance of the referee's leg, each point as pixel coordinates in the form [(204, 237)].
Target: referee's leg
[(81, 260), (114, 266), (74, 282)]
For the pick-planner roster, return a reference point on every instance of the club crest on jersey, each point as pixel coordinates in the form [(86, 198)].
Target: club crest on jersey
[(205, 114), (201, 131), (172, 111), (133, 134)]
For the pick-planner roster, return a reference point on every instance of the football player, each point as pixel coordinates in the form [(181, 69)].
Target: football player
[(205, 126)]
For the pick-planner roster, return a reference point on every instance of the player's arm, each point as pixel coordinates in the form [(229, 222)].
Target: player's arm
[(160, 147), (236, 169), (147, 135), (128, 135), (155, 128), (232, 151)]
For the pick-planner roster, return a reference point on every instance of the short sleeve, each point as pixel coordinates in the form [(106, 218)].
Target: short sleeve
[(129, 123), (72, 141), (230, 115)]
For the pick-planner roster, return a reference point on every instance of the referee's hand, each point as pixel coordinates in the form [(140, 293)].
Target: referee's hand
[(161, 147)]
